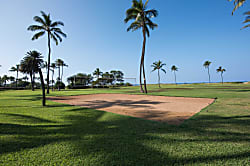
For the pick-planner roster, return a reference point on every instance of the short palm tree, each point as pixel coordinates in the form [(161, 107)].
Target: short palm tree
[(26, 67), (174, 69), (141, 18), (237, 4), (51, 28), (221, 70), (206, 65), (15, 69), (5, 78), (35, 59), (158, 66)]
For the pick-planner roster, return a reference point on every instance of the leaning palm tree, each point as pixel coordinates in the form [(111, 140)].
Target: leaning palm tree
[(35, 59), (237, 4), (141, 18), (221, 70), (158, 66), (51, 28), (174, 69), (15, 69), (206, 65)]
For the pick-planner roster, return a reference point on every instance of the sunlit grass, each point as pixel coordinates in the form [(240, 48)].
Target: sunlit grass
[(61, 134)]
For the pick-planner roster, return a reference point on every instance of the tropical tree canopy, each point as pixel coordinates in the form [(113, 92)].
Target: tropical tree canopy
[(46, 25), (220, 69), (158, 66), (174, 68), (140, 16), (207, 64)]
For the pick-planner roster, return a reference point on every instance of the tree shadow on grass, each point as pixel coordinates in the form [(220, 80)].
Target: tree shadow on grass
[(117, 139)]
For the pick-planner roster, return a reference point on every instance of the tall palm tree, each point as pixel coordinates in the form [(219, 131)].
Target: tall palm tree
[(97, 73), (141, 18), (174, 69), (158, 66), (206, 65), (35, 59), (237, 4), (15, 69), (51, 28), (221, 70)]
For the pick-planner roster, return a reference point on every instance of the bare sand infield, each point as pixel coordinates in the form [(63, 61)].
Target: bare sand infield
[(173, 110)]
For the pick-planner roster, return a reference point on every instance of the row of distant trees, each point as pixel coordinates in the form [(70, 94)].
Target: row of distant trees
[(159, 66), (28, 68), (98, 78)]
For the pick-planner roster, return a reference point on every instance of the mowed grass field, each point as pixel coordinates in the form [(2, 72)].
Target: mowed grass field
[(69, 135)]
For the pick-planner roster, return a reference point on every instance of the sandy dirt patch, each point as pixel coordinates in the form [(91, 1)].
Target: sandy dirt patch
[(173, 110)]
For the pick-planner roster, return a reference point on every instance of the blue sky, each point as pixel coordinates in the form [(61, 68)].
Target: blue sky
[(189, 33)]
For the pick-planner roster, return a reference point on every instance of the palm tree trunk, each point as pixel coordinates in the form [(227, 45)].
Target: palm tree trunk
[(175, 78), (62, 74), (143, 55), (208, 75), (142, 91), (53, 79), (31, 81), (43, 87), (48, 63), (159, 79), (16, 77), (221, 78), (59, 77)]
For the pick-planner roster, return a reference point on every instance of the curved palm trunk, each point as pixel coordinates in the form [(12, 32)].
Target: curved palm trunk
[(143, 55), (175, 78), (159, 79), (208, 75), (43, 87), (48, 63)]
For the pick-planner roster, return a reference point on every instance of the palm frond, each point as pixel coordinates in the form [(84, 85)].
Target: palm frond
[(37, 35), (237, 4), (58, 30), (39, 19), (35, 28), (58, 36), (55, 24), (54, 38), (164, 70), (151, 13)]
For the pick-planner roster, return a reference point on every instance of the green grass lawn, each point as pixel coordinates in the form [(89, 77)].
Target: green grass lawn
[(68, 135)]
